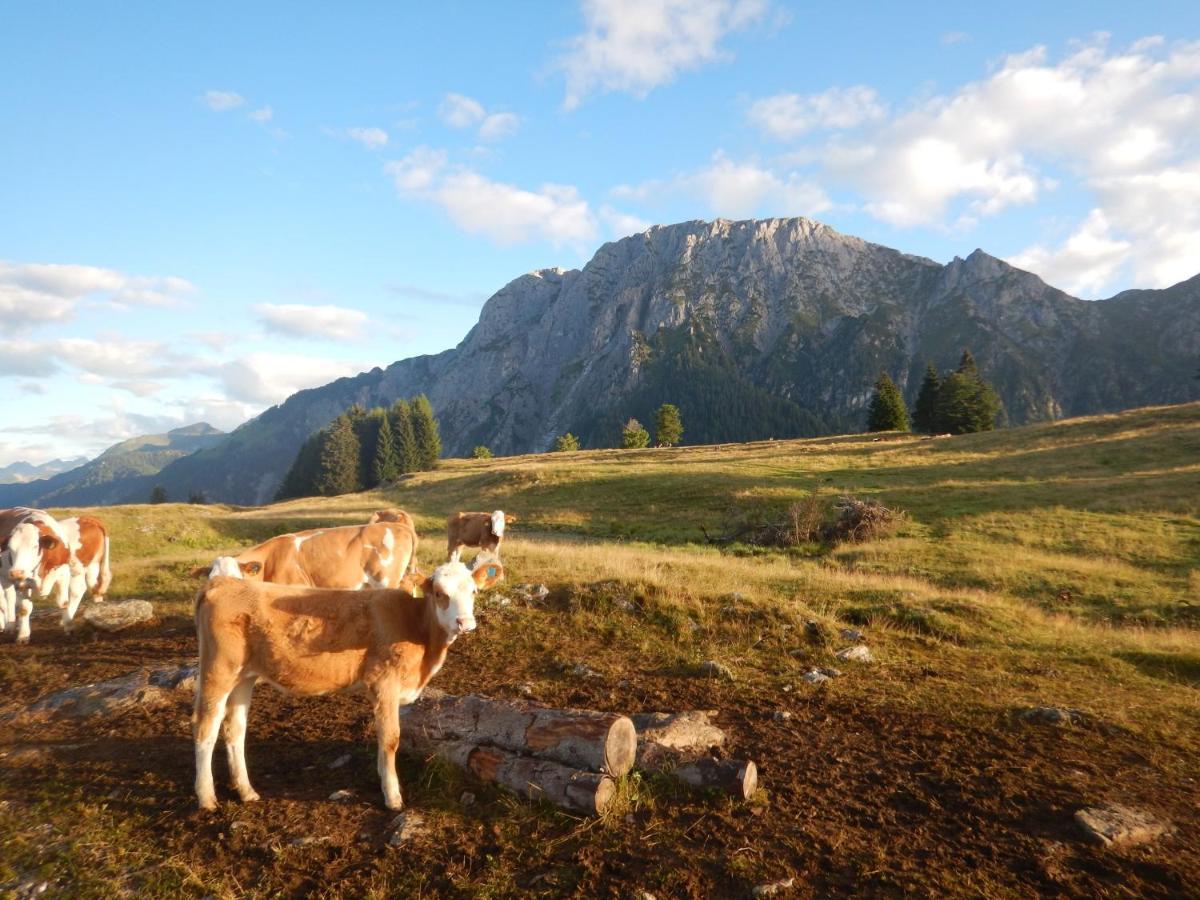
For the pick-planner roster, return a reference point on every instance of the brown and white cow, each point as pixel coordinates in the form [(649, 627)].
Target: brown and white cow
[(348, 557), (476, 529), (89, 541), (314, 641), (393, 515), (35, 560)]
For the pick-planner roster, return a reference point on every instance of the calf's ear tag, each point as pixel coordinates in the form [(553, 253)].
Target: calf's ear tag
[(491, 571), (418, 591)]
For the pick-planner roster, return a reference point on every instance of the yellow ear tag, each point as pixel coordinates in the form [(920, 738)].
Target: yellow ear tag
[(418, 592)]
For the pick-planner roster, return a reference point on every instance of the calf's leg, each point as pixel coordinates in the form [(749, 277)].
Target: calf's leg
[(387, 731), (212, 693), (237, 709), (24, 611)]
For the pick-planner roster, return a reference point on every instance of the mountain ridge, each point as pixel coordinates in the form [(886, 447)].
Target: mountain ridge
[(787, 320)]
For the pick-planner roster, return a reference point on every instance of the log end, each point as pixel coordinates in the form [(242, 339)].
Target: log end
[(606, 790), (620, 747)]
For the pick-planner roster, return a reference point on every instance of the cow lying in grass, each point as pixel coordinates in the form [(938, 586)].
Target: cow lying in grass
[(348, 557), (305, 641), (476, 529)]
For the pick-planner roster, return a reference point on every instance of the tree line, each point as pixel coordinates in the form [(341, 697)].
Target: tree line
[(958, 402), (364, 448)]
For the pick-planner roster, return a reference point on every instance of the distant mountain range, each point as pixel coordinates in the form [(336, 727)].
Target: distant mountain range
[(124, 473), (20, 471), (753, 329)]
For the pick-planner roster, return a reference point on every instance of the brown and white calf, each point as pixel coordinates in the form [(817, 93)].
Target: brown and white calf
[(314, 641), (35, 560), (476, 529), (89, 541), (348, 557)]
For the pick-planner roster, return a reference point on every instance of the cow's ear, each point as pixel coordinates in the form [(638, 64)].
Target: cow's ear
[(250, 568), (420, 586), (509, 518), (48, 542), (199, 571), (488, 574)]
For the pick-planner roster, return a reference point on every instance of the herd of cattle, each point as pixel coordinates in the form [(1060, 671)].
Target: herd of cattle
[(310, 613)]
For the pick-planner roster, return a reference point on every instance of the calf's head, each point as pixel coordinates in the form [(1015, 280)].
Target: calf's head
[(29, 550), (452, 588)]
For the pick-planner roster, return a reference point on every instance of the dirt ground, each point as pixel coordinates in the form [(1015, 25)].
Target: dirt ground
[(859, 797)]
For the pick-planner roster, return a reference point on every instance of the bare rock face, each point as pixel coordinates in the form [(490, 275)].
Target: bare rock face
[(792, 319), (1115, 825), (119, 616)]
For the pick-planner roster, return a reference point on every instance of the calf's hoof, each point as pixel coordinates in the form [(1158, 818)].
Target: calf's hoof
[(395, 804), (250, 796), (208, 804)]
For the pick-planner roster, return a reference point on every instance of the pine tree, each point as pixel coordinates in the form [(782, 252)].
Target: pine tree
[(300, 478), (366, 424), (481, 452), (925, 410), (337, 472), (967, 366), (385, 466), (634, 436), (159, 494), (425, 431), (888, 412), (406, 440), (565, 443), (668, 426), (966, 404)]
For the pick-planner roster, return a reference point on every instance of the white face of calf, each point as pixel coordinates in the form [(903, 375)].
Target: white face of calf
[(454, 590), (225, 565), (498, 523), (24, 557)]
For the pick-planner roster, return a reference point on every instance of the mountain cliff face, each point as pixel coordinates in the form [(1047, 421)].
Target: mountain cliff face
[(124, 473), (754, 329), (20, 471)]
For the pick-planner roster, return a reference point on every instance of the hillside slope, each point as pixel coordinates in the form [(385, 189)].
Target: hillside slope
[(122, 473), (755, 329)]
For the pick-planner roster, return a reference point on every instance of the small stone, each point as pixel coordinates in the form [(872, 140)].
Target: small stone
[(858, 653), (1054, 715), (525, 689), (467, 799), (710, 668), (815, 677), (781, 715), (340, 761), (1115, 825), (307, 841), (118, 616), (787, 688), (814, 631), (405, 827), (829, 672), (341, 796), (773, 888), (583, 670), (237, 826), (852, 634)]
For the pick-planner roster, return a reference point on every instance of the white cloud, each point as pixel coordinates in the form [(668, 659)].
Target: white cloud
[(498, 126), (622, 224), (139, 388), (371, 138), (1086, 262), (222, 101), (268, 378), (637, 45), (788, 116), (38, 293), (460, 111), (504, 213), (322, 322), (951, 38), (263, 114), (738, 190)]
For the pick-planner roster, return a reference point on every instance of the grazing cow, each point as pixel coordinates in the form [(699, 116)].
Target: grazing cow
[(476, 529), (394, 515), (35, 559), (348, 557), (89, 541), (313, 641)]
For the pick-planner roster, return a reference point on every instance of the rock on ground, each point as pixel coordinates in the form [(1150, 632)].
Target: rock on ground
[(118, 616), (405, 827), (773, 888), (1115, 825), (342, 796), (815, 677), (158, 687), (710, 668), (1054, 715), (857, 653)]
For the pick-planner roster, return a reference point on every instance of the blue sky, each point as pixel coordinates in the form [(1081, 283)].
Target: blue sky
[(207, 207)]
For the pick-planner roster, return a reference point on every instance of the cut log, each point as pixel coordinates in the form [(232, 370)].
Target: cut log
[(736, 777), (539, 779), (688, 730), (578, 739)]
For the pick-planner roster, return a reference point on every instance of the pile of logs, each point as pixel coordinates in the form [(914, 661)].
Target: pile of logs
[(569, 757)]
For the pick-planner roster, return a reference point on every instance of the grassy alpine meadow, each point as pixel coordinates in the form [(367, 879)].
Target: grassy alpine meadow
[(1051, 565)]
